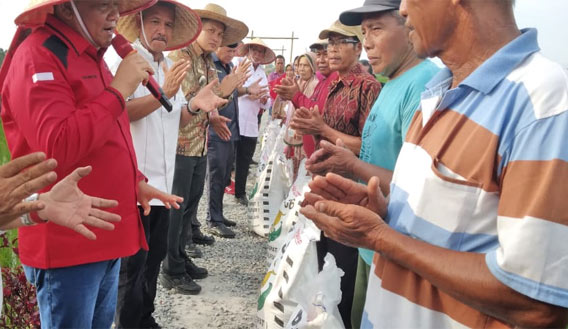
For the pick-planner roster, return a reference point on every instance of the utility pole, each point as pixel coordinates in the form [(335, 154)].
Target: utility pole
[(292, 38)]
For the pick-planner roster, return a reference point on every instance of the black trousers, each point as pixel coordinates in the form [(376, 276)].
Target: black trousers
[(139, 273), (189, 181), (220, 156), (245, 151), (346, 259)]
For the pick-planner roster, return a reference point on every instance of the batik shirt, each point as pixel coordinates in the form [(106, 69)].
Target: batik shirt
[(350, 100), (192, 139)]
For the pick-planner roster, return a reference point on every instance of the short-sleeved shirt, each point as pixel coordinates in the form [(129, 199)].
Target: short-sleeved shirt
[(349, 101), (389, 119), (192, 139), (483, 169)]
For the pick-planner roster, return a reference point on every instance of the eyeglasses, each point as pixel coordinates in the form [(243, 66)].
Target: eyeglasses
[(343, 41)]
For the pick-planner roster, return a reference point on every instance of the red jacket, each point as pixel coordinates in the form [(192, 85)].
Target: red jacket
[(318, 98), (57, 99)]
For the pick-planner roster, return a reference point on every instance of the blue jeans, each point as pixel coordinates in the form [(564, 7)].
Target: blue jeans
[(82, 296)]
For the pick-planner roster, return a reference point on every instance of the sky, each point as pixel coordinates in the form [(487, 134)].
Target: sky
[(306, 18)]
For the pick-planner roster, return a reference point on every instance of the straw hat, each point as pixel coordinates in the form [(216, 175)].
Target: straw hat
[(348, 31), (269, 55), (235, 30), (37, 10), (187, 26)]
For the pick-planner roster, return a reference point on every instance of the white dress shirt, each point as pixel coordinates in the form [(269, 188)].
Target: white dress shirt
[(155, 135), (248, 108)]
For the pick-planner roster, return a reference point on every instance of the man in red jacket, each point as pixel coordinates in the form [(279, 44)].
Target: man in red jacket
[(59, 97)]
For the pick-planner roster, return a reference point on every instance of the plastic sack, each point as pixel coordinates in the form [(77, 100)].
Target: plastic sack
[(288, 214), (268, 140), (295, 262), (319, 299), (270, 189)]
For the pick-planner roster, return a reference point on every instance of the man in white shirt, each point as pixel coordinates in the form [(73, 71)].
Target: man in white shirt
[(167, 25), (250, 104)]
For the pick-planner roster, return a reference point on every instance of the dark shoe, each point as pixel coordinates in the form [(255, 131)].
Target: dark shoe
[(242, 200), (192, 251), (150, 324), (229, 223), (199, 238), (254, 163), (222, 231), (194, 271), (183, 284)]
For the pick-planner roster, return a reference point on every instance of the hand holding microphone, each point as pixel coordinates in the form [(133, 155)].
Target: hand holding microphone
[(134, 70)]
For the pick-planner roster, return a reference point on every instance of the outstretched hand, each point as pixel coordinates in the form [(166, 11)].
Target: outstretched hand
[(308, 121), (287, 89), (146, 193), (333, 187), (206, 99), (350, 225), (332, 158), (67, 205)]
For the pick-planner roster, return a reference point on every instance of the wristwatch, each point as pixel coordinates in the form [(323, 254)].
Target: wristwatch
[(188, 105), (26, 219)]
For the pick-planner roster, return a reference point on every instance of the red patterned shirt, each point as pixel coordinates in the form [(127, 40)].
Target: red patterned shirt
[(350, 100)]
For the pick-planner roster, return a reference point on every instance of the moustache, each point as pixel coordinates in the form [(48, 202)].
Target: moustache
[(160, 38)]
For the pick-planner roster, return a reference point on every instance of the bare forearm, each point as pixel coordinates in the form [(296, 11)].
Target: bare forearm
[(353, 143), (465, 276), (139, 108), (364, 171)]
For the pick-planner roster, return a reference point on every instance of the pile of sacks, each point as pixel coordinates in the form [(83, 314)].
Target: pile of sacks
[(293, 294)]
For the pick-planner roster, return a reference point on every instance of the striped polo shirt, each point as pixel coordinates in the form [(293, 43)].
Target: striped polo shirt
[(484, 169)]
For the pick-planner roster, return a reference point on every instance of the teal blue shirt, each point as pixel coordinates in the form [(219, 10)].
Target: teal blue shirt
[(388, 121)]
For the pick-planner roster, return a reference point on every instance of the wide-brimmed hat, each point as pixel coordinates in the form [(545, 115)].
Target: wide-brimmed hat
[(235, 30), (187, 26), (37, 10), (269, 55), (355, 16), (348, 31)]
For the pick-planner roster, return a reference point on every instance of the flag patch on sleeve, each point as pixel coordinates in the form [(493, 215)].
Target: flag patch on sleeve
[(43, 76)]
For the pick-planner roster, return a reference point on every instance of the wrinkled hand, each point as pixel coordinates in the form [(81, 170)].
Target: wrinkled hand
[(333, 187), (287, 89), (147, 193), (67, 205), (206, 99), (132, 71), (332, 158), (256, 91), (174, 76), (17, 183), (308, 122), (220, 123), (351, 225)]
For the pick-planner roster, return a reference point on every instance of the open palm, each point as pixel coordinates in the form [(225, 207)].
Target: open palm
[(67, 205)]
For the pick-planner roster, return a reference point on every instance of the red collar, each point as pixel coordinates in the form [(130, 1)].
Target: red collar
[(71, 37)]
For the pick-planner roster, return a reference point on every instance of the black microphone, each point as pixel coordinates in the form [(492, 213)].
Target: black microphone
[(123, 49)]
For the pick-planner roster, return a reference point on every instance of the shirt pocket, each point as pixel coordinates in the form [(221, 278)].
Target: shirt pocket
[(447, 203)]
